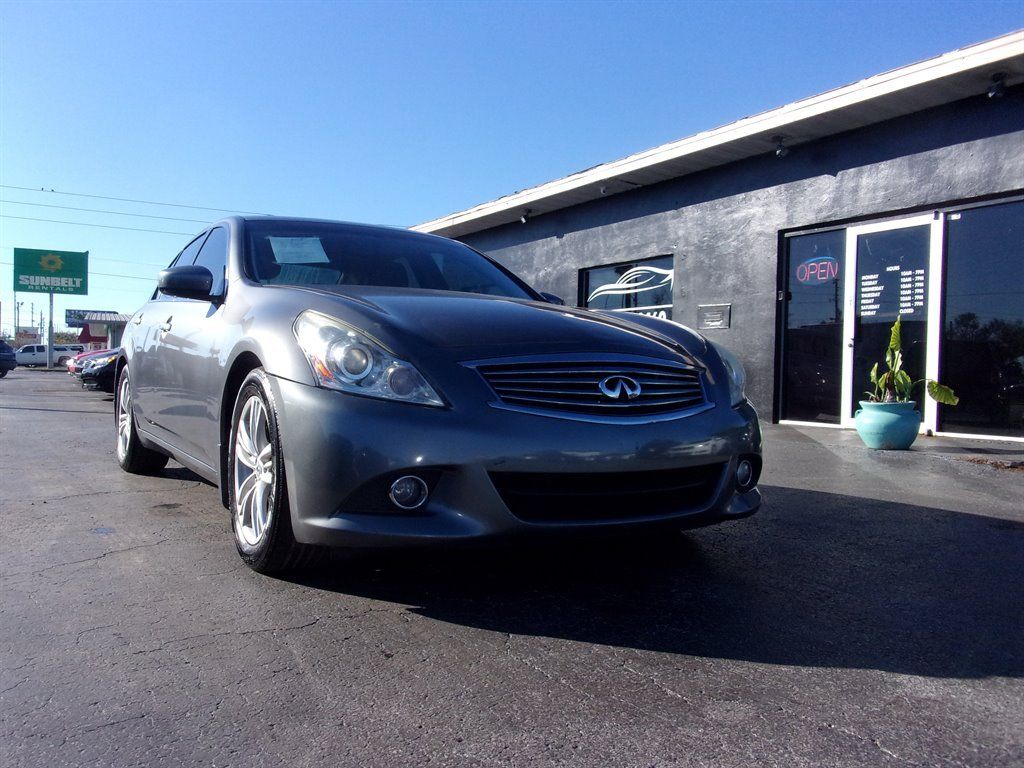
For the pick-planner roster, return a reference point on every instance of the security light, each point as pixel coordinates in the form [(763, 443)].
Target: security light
[(998, 86)]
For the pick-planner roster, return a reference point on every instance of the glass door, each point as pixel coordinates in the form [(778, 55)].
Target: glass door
[(983, 321), (812, 341), (891, 271)]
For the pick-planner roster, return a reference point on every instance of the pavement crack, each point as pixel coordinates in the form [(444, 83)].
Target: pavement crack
[(653, 680), (84, 560), (229, 632), (93, 728)]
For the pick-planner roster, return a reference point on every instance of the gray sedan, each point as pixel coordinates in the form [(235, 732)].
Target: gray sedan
[(348, 385)]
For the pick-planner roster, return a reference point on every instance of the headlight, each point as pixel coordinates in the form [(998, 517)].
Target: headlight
[(737, 376), (346, 359), (98, 361)]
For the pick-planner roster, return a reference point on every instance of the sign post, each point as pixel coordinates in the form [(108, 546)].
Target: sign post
[(38, 271)]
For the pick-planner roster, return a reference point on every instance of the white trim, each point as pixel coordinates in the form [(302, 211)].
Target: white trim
[(933, 335), (849, 324), (850, 294), (894, 87), (955, 435), (969, 436), (797, 423)]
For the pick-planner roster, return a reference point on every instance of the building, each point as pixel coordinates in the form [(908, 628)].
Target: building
[(105, 327), (797, 236)]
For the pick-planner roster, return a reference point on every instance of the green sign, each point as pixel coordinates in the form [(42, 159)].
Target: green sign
[(38, 271)]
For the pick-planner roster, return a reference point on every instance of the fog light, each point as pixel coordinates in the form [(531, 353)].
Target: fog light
[(408, 492), (744, 474)]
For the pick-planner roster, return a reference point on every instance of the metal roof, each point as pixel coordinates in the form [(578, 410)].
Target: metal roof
[(110, 318), (940, 80)]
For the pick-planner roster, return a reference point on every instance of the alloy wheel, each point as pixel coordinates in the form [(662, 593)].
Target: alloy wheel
[(124, 419), (254, 473)]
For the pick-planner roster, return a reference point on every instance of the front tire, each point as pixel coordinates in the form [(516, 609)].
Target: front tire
[(132, 455), (258, 497)]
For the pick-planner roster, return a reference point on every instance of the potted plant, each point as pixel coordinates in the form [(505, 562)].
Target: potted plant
[(888, 419)]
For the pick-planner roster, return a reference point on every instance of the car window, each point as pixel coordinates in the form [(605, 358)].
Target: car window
[(187, 256), (214, 256), (283, 252)]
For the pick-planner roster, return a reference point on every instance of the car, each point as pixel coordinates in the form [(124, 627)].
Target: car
[(8, 359), (99, 372), (75, 364), (35, 354), (347, 385)]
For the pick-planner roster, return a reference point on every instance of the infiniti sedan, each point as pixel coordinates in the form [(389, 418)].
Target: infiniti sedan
[(348, 385)]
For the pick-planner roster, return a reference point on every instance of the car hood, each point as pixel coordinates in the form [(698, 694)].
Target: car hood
[(472, 326)]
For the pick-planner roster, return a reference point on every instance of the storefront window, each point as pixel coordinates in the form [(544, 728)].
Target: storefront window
[(639, 286), (812, 343), (983, 321)]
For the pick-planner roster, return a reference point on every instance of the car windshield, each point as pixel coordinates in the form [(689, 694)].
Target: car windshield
[(315, 253)]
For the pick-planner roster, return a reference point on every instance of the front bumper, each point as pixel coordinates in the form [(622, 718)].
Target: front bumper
[(98, 378), (340, 452)]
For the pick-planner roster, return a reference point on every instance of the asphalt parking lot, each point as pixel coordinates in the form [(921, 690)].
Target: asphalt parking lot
[(871, 614)]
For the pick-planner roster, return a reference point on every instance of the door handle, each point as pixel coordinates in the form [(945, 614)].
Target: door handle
[(137, 320), (165, 327)]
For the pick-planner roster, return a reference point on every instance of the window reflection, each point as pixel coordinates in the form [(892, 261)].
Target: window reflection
[(983, 321)]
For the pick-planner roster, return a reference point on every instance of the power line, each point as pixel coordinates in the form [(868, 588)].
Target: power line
[(104, 274), (97, 210), (103, 226), (129, 200), (159, 264)]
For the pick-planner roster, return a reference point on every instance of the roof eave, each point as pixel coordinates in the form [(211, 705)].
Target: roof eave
[(943, 79)]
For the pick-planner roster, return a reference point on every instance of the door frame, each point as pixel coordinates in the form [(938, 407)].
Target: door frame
[(934, 220)]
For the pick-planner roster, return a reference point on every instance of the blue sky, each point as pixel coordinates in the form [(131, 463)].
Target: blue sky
[(386, 112)]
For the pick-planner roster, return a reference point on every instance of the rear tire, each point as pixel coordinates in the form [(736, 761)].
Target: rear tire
[(257, 489), (132, 455)]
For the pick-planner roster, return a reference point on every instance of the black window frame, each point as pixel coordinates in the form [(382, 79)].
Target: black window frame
[(219, 294)]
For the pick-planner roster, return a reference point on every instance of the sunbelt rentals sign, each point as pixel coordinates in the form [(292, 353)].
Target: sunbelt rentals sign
[(37, 271)]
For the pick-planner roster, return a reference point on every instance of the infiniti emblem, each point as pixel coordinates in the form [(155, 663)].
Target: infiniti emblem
[(616, 387)]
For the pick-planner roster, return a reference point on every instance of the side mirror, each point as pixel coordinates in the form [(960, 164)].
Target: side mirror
[(188, 282), (550, 298)]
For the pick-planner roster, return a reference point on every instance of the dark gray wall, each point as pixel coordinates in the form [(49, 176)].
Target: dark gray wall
[(723, 224)]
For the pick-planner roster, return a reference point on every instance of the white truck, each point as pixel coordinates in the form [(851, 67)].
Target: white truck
[(35, 354)]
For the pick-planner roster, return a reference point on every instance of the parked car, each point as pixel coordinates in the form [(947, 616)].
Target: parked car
[(8, 360), (35, 354), (98, 372), (75, 364), (351, 385)]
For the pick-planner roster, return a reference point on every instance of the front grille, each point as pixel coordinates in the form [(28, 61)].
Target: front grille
[(575, 386), (549, 497)]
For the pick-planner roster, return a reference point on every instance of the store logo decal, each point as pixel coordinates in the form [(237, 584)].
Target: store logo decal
[(634, 281)]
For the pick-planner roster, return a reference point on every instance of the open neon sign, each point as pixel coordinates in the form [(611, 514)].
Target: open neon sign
[(820, 269)]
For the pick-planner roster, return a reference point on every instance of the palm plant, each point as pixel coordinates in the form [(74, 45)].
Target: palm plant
[(894, 385)]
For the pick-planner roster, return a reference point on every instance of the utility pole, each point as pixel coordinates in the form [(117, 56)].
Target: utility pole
[(49, 337)]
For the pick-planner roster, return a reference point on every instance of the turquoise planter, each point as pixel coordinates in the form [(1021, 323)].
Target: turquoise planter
[(887, 426)]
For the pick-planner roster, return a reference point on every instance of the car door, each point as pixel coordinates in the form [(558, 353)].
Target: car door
[(154, 381), (189, 345)]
